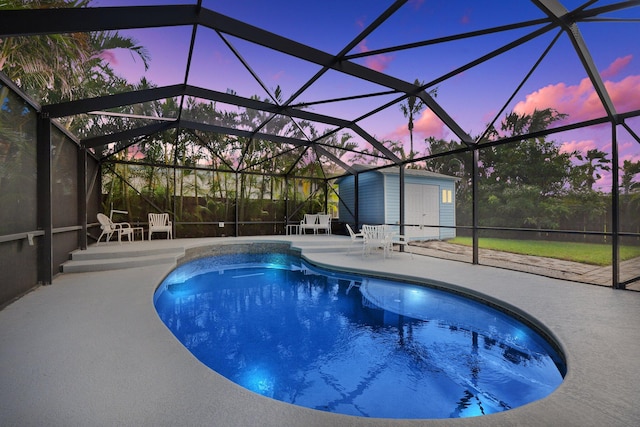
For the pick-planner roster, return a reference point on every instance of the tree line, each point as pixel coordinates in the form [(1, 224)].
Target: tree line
[(533, 183)]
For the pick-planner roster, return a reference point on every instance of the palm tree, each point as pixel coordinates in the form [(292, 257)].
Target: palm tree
[(412, 108), (34, 61), (594, 162), (629, 171), (54, 67)]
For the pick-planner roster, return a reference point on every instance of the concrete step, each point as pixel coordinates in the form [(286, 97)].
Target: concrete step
[(114, 256), (323, 244), (122, 252), (323, 249), (118, 258)]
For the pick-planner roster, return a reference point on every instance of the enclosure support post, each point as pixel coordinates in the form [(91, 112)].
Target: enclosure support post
[(615, 212), (356, 198), (326, 196), (237, 229), (286, 202), (82, 197), (174, 204), (474, 203), (45, 219), (401, 178)]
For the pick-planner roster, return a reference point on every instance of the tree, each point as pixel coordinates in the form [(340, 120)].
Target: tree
[(533, 161), (34, 62), (522, 183), (586, 174), (57, 67), (412, 108), (454, 164), (629, 171), (630, 197)]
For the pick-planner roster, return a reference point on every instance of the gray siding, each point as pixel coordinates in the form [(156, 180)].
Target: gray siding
[(371, 198), (392, 202), (347, 200), (379, 199), (448, 211)]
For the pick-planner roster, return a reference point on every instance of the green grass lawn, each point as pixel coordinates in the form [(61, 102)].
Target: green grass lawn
[(587, 253)]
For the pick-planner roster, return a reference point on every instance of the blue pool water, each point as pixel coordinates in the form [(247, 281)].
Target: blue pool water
[(351, 344)]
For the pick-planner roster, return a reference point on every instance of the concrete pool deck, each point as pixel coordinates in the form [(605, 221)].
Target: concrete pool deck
[(90, 350)]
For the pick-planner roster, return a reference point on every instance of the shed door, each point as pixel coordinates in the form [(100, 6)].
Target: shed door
[(422, 207)]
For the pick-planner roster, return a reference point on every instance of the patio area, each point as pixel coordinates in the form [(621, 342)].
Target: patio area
[(90, 349)]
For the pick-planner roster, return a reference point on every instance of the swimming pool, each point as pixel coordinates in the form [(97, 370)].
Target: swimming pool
[(351, 344)]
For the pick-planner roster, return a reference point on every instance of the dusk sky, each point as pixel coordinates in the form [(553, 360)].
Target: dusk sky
[(472, 97)]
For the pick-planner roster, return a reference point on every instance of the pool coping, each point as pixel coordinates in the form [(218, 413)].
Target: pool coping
[(90, 350)]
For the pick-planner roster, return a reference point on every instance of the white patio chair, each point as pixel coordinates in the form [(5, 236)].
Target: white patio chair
[(376, 237), (109, 228), (309, 222), (324, 223), (159, 223), (356, 238)]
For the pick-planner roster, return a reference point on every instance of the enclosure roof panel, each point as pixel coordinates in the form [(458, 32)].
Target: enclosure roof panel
[(305, 74)]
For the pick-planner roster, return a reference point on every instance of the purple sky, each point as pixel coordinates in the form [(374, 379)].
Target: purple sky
[(472, 98)]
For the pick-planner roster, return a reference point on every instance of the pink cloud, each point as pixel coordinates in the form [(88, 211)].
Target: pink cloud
[(580, 101), (628, 147), (629, 151), (427, 125), (278, 75), (416, 4), (376, 62), (579, 146), (616, 66), (362, 46), (620, 93), (630, 157)]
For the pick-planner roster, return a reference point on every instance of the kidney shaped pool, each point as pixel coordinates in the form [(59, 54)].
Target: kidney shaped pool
[(354, 345)]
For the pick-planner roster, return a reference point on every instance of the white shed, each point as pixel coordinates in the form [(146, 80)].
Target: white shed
[(429, 201)]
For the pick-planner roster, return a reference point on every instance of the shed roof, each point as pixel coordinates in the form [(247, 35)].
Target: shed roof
[(395, 170)]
